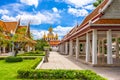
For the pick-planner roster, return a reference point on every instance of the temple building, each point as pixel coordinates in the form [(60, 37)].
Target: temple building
[(15, 36), (51, 38), (92, 40)]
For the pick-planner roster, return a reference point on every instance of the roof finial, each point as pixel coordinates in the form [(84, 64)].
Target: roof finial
[(50, 29), (19, 21)]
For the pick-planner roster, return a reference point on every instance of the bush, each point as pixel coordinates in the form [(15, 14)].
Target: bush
[(13, 59), (33, 53), (59, 74), (2, 58)]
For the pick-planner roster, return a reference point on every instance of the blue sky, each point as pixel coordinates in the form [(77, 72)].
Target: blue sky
[(62, 15)]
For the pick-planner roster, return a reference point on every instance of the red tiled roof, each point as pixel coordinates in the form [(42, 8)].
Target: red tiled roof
[(54, 42), (3, 25), (11, 26), (94, 13)]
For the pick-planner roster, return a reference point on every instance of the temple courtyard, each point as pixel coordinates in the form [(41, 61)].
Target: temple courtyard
[(58, 61)]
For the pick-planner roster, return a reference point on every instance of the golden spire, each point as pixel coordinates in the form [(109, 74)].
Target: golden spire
[(44, 36), (56, 36), (50, 29)]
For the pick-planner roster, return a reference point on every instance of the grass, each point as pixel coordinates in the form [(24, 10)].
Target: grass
[(8, 71)]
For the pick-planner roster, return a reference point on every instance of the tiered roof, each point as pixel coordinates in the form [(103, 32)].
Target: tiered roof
[(22, 33)]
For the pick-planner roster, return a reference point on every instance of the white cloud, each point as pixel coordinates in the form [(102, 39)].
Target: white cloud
[(77, 12), (4, 11), (61, 31), (89, 7), (79, 3), (30, 2), (36, 19), (38, 34), (55, 9)]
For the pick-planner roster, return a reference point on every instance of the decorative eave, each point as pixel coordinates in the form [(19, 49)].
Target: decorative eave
[(105, 26)]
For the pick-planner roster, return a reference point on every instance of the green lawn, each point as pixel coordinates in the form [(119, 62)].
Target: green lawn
[(8, 71)]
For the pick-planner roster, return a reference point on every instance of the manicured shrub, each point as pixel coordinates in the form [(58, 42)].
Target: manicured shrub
[(33, 53), (13, 59), (2, 58), (59, 74), (29, 57)]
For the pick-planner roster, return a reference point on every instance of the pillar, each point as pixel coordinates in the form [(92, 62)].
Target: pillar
[(60, 48), (98, 47), (109, 47), (94, 46), (28, 48), (77, 48), (66, 48), (83, 51), (103, 48), (13, 47), (0, 49), (71, 48), (4, 50), (87, 47), (117, 48), (63, 48), (103, 51)]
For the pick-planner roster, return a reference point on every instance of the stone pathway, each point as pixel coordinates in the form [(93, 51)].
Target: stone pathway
[(57, 61)]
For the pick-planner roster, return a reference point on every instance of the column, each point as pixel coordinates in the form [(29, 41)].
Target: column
[(94, 46), (109, 47), (4, 50), (28, 49), (62, 47), (66, 48), (71, 48), (77, 48), (83, 48), (98, 47), (87, 47), (13, 48), (117, 48), (103, 51), (0, 49)]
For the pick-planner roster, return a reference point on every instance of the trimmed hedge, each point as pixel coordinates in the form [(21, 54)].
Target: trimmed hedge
[(59, 74), (33, 65), (11, 59), (2, 58), (33, 53)]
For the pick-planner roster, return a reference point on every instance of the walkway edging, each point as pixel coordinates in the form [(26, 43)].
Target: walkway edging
[(39, 65)]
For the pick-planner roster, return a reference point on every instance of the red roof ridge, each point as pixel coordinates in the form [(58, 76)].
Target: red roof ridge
[(94, 13)]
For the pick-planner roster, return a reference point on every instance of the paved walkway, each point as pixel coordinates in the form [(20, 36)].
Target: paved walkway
[(57, 61)]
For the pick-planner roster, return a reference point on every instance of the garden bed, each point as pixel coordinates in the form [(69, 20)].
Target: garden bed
[(8, 71)]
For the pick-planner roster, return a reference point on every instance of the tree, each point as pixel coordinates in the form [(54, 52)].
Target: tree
[(41, 43), (95, 4)]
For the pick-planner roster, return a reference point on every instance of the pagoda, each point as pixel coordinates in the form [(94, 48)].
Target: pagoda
[(51, 38)]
